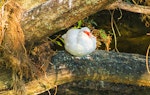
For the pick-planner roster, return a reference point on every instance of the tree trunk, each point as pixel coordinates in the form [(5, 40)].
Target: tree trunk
[(51, 16), (100, 65)]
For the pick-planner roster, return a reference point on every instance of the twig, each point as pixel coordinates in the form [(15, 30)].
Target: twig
[(120, 14), (147, 66), (55, 90), (117, 28)]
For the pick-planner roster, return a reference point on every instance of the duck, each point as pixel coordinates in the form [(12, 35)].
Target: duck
[(79, 42)]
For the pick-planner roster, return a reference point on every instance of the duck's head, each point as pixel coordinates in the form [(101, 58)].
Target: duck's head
[(87, 31)]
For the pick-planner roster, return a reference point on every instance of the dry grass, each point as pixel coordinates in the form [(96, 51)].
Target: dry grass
[(12, 44)]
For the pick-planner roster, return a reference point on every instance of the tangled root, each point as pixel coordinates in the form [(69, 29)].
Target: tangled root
[(12, 44)]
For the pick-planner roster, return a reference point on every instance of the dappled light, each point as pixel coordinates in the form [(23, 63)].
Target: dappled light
[(74, 47)]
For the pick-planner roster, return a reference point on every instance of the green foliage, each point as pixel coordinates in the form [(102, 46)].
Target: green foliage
[(79, 24), (91, 22), (59, 43), (58, 40), (86, 22), (103, 34)]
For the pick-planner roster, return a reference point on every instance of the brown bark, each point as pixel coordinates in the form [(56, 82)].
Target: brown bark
[(100, 65), (28, 5), (130, 7), (51, 17)]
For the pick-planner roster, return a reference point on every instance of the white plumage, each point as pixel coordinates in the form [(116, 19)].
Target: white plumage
[(79, 42)]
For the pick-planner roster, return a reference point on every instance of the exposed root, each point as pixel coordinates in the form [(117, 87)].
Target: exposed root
[(112, 27), (147, 66), (55, 90), (18, 85), (120, 14), (49, 93), (12, 45)]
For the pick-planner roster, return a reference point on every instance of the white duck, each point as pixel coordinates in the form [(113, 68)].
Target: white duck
[(79, 42)]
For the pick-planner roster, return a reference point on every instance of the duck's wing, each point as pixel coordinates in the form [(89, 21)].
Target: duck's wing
[(71, 36)]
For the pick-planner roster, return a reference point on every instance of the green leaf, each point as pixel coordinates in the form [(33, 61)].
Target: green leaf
[(79, 24), (103, 34), (58, 43), (62, 40)]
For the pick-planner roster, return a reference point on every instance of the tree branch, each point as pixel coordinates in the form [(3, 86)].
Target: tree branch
[(51, 17), (130, 7)]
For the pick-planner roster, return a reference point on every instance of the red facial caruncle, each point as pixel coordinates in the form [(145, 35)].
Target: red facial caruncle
[(87, 33)]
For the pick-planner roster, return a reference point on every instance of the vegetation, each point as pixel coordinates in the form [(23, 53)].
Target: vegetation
[(25, 44)]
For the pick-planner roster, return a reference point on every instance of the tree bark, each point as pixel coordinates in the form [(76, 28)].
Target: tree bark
[(130, 7), (100, 65), (51, 16)]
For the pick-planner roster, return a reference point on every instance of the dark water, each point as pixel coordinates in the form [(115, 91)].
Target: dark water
[(98, 88)]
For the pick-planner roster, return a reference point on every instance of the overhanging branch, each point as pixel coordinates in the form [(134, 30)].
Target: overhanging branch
[(52, 16), (130, 7)]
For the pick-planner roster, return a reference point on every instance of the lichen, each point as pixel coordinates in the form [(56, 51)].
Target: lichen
[(92, 1)]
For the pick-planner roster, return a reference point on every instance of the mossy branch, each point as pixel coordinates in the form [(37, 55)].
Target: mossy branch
[(100, 65)]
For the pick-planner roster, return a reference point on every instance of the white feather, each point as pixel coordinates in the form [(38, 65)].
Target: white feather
[(79, 43)]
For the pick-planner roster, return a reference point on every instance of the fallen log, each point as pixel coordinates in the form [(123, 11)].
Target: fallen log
[(100, 66)]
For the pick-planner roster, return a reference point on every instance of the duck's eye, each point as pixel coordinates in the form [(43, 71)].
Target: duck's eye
[(88, 33)]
